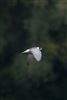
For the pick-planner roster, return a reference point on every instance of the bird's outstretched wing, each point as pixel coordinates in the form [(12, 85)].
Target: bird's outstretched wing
[(26, 51), (36, 53)]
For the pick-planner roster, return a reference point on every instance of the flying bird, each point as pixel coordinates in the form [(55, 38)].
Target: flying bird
[(33, 53)]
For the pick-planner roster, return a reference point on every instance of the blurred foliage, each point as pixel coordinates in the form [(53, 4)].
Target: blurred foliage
[(27, 23)]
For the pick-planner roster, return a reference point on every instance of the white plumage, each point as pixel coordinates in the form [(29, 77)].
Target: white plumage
[(35, 51)]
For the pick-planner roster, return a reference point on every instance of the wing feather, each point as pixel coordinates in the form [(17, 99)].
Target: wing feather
[(36, 53)]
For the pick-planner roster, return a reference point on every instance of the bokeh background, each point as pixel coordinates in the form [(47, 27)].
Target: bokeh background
[(23, 24)]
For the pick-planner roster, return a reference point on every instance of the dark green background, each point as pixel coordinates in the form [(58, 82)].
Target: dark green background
[(27, 23)]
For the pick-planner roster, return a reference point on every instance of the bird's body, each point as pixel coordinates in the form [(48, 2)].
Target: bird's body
[(34, 53), (30, 59)]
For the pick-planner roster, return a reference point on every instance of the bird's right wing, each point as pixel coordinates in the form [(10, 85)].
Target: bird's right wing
[(36, 53)]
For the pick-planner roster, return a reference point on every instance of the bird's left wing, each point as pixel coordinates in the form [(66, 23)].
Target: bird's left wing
[(26, 51)]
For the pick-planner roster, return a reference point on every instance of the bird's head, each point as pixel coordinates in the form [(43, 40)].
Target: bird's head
[(39, 48)]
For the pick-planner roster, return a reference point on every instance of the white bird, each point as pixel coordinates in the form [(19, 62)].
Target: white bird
[(34, 52)]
